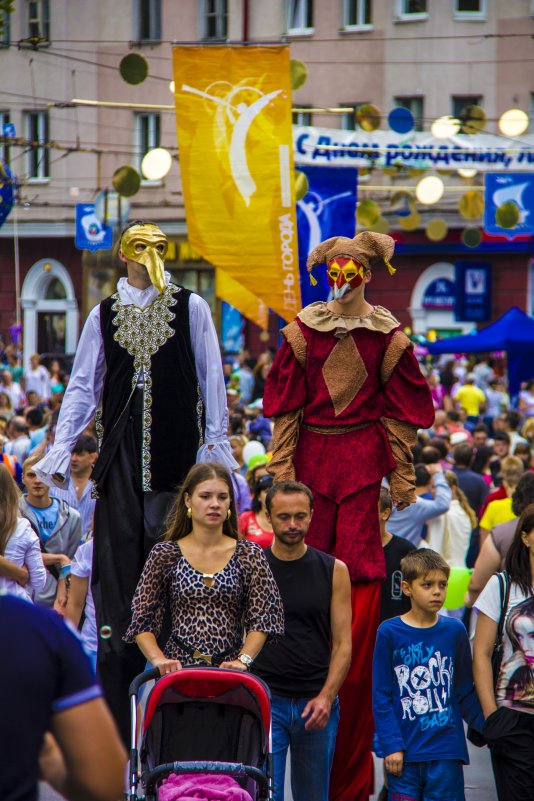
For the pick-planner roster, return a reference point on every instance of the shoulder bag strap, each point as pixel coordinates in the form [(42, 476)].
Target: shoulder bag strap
[(504, 591)]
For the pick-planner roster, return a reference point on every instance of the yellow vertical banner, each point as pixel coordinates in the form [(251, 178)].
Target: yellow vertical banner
[(233, 114), (249, 304)]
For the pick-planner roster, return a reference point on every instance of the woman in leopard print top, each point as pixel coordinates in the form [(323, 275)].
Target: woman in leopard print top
[(218, 587)]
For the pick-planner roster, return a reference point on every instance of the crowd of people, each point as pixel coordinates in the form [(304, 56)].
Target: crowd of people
[(380, 480), (474, 506)]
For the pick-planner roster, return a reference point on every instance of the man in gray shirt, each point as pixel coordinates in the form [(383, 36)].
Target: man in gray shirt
[(409, 523)]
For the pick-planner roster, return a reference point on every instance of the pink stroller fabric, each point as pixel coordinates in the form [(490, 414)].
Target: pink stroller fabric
[(201, 787)]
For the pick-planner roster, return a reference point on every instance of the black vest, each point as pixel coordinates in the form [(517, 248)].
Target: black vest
[(154, 342), (297, 665)]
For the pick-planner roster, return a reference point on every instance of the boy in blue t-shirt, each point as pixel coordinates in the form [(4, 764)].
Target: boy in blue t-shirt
[(422, 688)]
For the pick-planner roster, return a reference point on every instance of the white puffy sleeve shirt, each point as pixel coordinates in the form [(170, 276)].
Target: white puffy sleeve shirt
[(87, 379)]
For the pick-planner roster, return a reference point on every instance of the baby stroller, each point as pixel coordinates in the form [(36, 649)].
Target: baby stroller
[(199, 721)]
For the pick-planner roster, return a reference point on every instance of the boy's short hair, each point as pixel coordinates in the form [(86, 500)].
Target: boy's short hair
[(30, 462), (385, 500), (422, 561), (422, 476)]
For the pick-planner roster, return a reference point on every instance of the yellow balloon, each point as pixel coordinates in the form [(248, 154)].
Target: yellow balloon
[(472, 237), (473, 119), (381, 226), (298, 72), (301, 185), (436, 229), (507, 215), (403, 201), (411, 222), (126, 181), (368, 117), (367, 213), (471, 204)]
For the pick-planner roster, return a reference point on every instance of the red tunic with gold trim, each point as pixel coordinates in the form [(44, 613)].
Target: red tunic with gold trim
[(348, 397)]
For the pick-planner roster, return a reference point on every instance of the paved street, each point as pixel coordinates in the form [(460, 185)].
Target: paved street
[(479, 784)]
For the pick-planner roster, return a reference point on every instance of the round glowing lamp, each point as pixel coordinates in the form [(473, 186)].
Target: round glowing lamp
[(156, 164), (429, 190), (445, 127), (171, 87), (467, 172), (513, 122)]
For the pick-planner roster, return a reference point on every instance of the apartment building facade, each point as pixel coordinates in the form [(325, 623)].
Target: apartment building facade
[(431, 57)]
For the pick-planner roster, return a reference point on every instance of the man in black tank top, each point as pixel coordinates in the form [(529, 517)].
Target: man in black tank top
[(306, 668)]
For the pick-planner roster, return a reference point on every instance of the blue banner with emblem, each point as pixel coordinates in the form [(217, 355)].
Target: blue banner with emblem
[(503, 190), (91, 234), (473, 292), (328, 209)]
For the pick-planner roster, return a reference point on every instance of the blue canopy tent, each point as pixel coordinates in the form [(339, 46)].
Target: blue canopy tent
[(513, 333)]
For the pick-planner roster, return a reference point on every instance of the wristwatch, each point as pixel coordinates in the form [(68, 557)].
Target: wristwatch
[(246, 660)]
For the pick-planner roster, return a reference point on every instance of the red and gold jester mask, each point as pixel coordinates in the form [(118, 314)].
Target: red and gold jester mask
[(147, 245), (348, 260), (344, 273)]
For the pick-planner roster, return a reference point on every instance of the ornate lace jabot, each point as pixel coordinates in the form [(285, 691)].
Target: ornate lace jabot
[(143, 331), (318, 316)]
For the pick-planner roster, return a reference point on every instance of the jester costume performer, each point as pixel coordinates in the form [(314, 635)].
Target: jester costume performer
[(348, 397), (148, 363)]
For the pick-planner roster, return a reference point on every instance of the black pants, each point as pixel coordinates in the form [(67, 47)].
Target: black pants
[(127, 523), (510, 737)]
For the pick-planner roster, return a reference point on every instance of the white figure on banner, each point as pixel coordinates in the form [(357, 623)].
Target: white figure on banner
[(240, 116), (514, 193)]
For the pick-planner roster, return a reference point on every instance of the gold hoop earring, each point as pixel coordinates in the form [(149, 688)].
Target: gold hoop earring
[(229, 514), (189, 513)]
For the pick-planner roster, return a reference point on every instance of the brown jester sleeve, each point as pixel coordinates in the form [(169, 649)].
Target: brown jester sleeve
[(284, 399), (407, 407)]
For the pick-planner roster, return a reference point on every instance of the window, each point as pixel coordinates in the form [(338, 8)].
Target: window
[(147, 16), (37, 132), (416, 106), (357, 14), (469, 9), (303, 118), (459, 102), (148, 132), (5, 119), (38, 19), (459, 111), (411, 10), (214, 19), (300, 18), (55, 290), (5, 28)]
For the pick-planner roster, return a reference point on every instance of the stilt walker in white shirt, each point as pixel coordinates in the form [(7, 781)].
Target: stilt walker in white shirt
[(148, 359)]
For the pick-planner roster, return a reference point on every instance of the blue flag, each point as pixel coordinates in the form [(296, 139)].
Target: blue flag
[(328, 209), (7, 192)]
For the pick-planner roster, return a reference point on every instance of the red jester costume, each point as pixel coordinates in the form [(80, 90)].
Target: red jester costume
[(348, 397)]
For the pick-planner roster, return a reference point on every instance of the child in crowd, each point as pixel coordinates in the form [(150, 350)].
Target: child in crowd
[(393, 602), (80, 599), (22, 572), (422, 688)]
